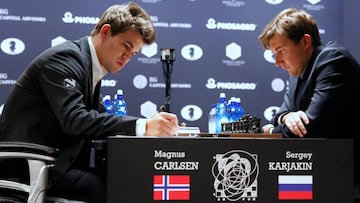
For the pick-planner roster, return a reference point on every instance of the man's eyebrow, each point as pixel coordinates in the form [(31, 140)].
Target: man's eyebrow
[(130, 44), (132, 47), (277, 48)]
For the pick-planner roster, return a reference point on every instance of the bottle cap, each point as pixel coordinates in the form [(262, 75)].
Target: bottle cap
[(106, 97), (119, 91)]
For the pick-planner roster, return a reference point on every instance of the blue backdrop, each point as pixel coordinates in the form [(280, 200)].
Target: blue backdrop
[(215, 42)]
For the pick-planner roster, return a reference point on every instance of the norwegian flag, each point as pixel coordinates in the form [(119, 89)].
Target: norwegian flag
[(171, 187)]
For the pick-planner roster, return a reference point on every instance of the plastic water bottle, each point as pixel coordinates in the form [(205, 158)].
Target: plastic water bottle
[(235, 109), (108, 104), (120, 104), (232, 110), (240, 111), (212, 121), (221, 112)]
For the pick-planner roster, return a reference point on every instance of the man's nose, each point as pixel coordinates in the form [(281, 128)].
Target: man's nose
[(278, 60), (127, 55)]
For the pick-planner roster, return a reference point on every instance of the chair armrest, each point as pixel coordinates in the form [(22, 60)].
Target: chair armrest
[(27, 150), (39, 158)]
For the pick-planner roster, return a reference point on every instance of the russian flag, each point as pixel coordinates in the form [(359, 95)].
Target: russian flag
[(171, 187), (295, 187)]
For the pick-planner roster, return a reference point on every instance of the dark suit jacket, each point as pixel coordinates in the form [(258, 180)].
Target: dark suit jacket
[(327, 93), (52, 104)]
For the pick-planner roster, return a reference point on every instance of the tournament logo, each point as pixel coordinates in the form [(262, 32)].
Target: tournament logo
[(235, 176), (270, 112), (191, 52), (191, 112), (313, 1), (12, 46), (274, 2), (269, 56)]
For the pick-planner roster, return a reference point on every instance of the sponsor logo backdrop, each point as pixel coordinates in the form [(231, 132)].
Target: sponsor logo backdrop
[(215, 42)]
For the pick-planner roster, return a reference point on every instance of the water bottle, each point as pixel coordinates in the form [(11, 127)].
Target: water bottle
[(235, 109), (232, 110), (221, 112), (108, 104), (240, 111), (211, 122), (120, 104)]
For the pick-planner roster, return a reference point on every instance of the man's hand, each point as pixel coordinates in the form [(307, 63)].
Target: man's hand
[(268, 128), (162, 124), (296, 122)]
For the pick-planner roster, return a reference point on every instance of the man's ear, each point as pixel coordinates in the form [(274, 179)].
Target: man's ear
[(105, 29), (306, 40)]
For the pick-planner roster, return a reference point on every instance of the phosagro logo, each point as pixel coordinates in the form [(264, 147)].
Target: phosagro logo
[(212, 24), (69, 18), (212, 84)]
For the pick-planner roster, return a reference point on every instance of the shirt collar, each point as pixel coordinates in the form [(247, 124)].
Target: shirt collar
[(98, 71)]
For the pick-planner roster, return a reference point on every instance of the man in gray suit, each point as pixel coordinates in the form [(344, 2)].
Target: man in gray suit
[(321, 101), (55, 102)]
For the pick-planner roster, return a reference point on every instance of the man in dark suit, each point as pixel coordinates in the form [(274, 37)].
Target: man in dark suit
[(321, 101), (55, 102)]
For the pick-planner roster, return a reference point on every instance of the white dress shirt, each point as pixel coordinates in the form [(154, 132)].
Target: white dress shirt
[(98, 73)]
